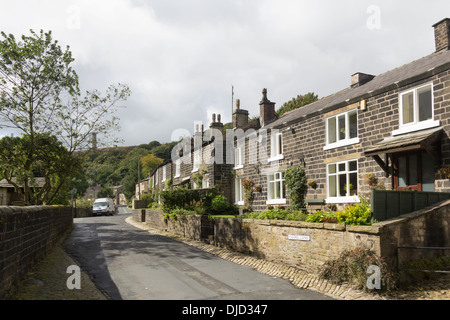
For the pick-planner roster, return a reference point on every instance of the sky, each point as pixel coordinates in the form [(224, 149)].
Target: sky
[(187, 59)]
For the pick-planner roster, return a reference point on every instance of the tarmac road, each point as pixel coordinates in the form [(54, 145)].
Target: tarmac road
[(128, 263)]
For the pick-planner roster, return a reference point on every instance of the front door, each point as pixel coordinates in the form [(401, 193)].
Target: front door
[(413, 171)]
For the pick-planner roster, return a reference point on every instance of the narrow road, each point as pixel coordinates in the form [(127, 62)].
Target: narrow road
[(131, 264)]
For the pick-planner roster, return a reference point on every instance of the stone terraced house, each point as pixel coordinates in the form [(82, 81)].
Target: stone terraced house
[(391, 130)]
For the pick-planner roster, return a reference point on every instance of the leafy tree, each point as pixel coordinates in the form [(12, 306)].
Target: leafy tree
[(39, 95), (295, 103), (164, 151), (149, 163), (50, 161), (106, 192)]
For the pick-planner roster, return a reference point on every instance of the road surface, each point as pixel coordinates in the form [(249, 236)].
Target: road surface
[(128, 263)]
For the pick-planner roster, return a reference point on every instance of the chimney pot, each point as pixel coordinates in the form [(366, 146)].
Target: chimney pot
[(213, 117)]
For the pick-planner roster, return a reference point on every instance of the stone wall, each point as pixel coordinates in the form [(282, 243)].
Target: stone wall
[(188, 226), (28, 234), (309, 245)]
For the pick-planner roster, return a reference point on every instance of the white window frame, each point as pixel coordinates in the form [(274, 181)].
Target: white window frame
[(164, 174), (415, 125), (276, 145), (238, 192), (347, 198), (347, 140), (271, 184), (205, 183), (177, 168), (238, 159), (196, 162)]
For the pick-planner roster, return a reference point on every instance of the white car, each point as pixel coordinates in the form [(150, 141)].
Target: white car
[(104, 206)]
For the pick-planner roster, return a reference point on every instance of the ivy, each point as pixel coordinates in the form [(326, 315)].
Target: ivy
[(297, 185)]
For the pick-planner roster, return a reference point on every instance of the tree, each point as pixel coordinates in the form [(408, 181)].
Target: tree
[(298, 102), (39, 94), (51, 162), (149, 163)]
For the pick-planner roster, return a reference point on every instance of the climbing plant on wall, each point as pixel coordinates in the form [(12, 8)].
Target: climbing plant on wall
[(297, 185)]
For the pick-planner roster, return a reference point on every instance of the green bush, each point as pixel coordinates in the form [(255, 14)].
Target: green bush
[(183, 198), (297, 185), (146, 196), (356, 214), (182, 211), (220, 205), (277, 214), (351, 267), (322, 216)]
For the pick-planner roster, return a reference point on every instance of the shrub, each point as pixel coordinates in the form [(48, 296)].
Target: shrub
[(248, 186), (146, 196), (220, 205), (295, 215), (322, 216), (351, 267), (182, 198), (297, 186), (277, 214), (356, 214)]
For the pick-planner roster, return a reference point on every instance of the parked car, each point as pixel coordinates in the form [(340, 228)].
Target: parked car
[(104, 206)]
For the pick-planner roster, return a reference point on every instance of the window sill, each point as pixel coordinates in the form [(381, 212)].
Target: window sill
[(341, 143), (275, 158), (276, 201), (177, 176), (239, 203), (351, 199), (238, 167), (194, 170), (417, 127)]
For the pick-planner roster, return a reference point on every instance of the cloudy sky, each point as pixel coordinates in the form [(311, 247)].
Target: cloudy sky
[(182, 57)]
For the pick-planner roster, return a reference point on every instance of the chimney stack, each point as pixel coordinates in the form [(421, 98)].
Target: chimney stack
[(359, 78), (267, 109), (240, 117), (442, 35)]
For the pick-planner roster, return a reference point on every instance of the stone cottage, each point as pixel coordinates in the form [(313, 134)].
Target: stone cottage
[(390, 131)]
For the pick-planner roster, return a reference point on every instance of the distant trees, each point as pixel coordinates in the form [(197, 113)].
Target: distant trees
[(298, 102), (149, 163)]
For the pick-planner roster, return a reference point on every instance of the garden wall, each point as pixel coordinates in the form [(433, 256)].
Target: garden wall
[(188, 226), (28, 234), (309, 245)]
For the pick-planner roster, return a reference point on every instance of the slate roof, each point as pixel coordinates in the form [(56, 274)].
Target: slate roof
[(38, 182), (401, 76)]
